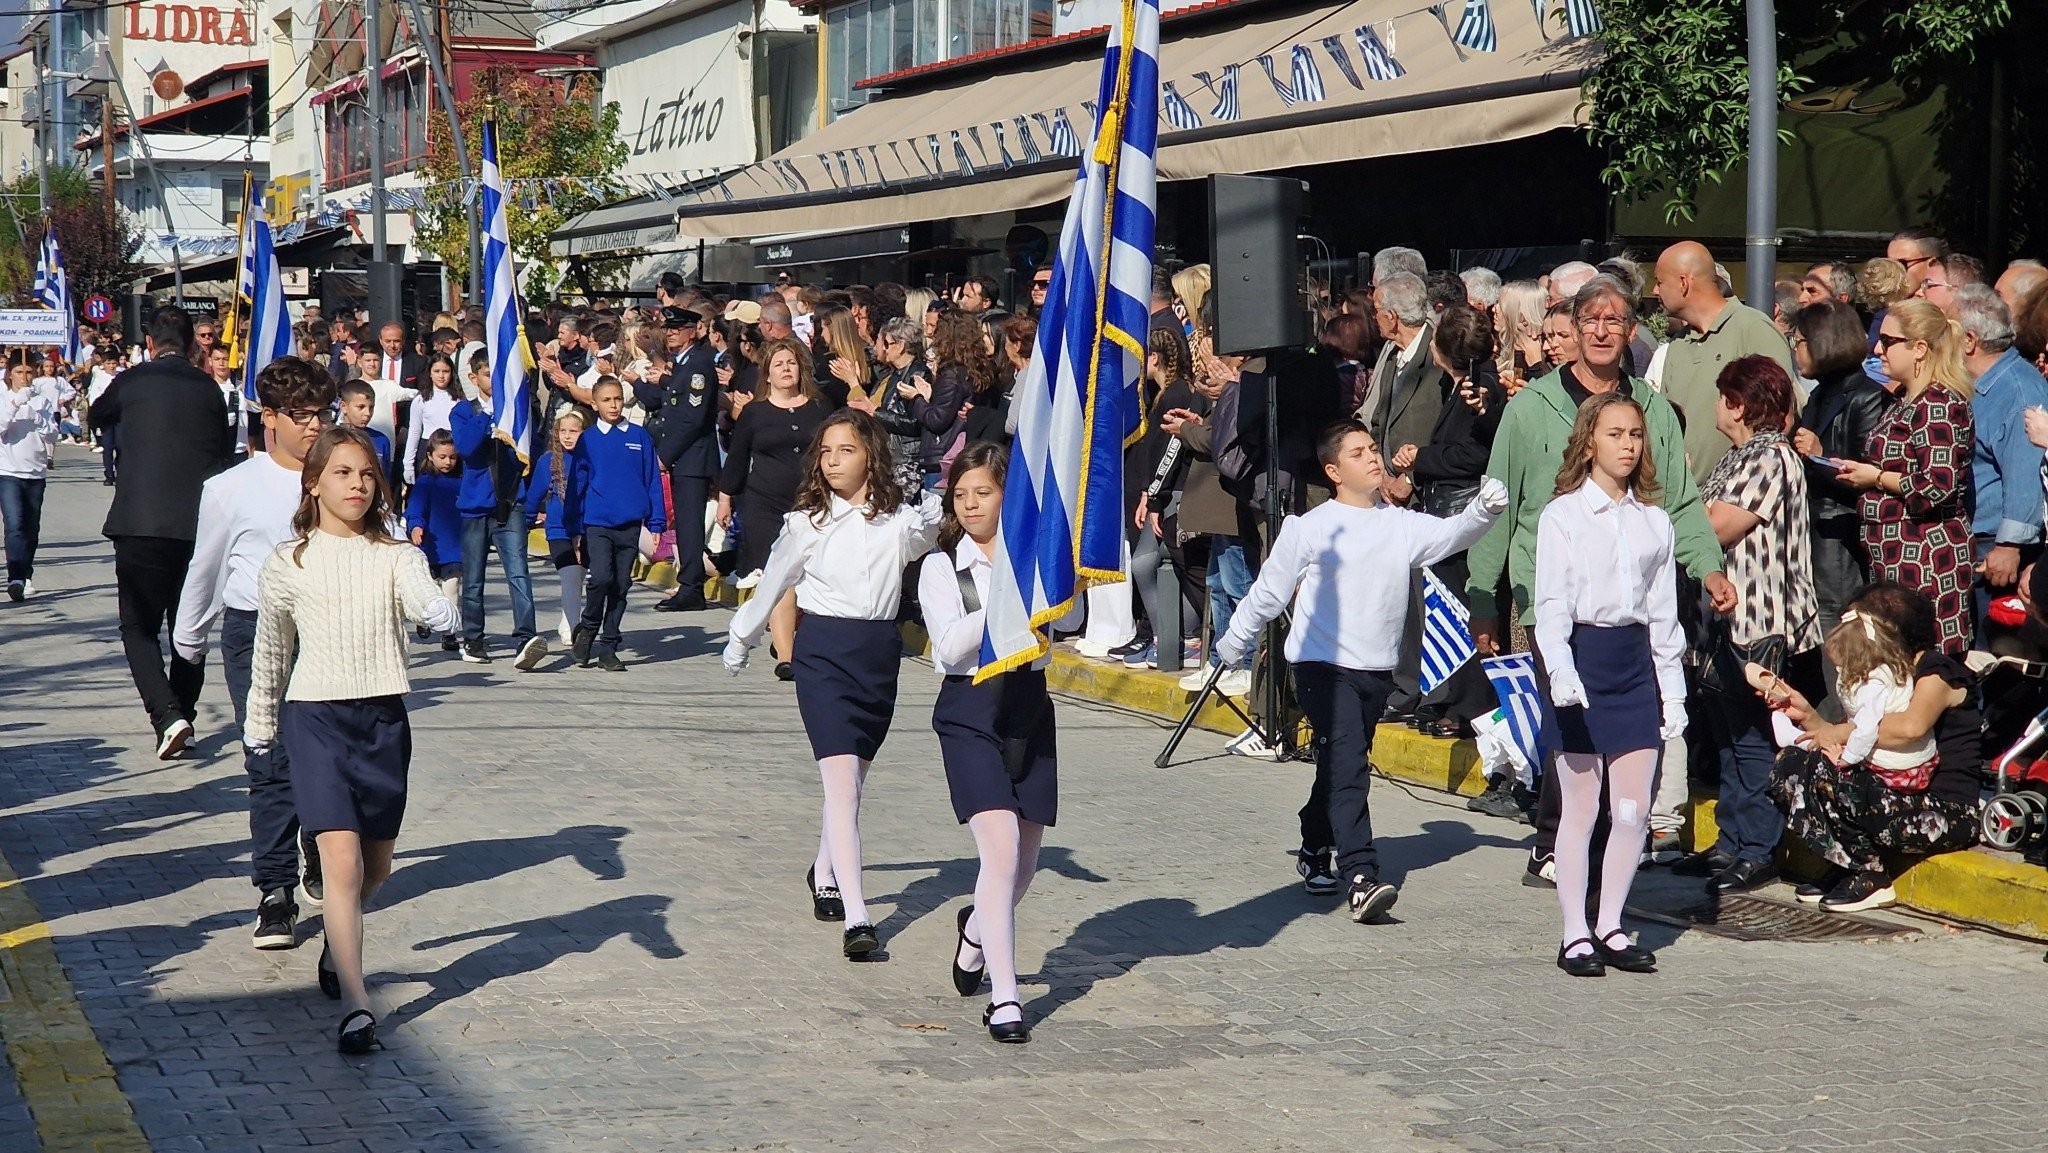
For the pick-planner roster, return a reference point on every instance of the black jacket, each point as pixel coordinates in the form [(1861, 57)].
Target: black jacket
[(174, 436), (682, 413), (1841, 411), (1459, 445)]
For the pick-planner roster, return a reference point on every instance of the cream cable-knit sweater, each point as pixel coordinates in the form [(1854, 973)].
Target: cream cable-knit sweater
[(344, 610)]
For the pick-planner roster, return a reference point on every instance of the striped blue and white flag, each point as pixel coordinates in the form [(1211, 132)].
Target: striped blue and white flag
[(1475, 27), (1179, 113), (505, 340), (1379, 59), (1308, 82), (1226, 92), (1062, 523), (1581, 18), (53, 288), (1446, 633), (1334, 45), (270, 331), (1521, 702)]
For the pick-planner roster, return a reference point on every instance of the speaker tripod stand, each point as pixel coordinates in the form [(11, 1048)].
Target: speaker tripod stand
[(1268, 733)]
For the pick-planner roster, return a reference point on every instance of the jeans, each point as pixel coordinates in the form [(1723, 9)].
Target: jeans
[(611, 552), (1750, 821), (479, 535), (1343, 707), (273, 820), (1230, 578), (149, 576), (21, 506), (110, 449)]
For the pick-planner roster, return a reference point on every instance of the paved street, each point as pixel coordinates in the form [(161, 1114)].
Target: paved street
[(597, 939)]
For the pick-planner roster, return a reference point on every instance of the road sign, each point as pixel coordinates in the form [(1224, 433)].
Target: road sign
[(98, 309)]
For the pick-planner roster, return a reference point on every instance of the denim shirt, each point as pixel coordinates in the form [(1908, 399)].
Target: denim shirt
[(2006, 465)]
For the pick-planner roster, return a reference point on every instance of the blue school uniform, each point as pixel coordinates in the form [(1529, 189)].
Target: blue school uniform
[(616, 489), (563, 522), (433, 507)]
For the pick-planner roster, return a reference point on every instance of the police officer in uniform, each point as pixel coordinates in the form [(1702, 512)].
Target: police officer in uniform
[(682, 413)]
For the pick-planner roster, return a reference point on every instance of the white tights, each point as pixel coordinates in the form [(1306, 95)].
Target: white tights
[(838, 860), (1008, 845), (571, 577), (1631, 777)]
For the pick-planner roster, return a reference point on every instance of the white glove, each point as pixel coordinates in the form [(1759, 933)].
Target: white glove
[(1493, 495), (1566, 691), (440, 616), (1674, 720), (1229, 653), (255, 748), (736, 653)]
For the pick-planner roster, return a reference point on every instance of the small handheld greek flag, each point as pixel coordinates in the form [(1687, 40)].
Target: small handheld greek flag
[(1446, 633), (1521, 702)]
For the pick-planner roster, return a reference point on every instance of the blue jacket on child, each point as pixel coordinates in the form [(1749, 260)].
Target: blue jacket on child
[(618, 478), (563, 521), (433, 507), (484, 488)]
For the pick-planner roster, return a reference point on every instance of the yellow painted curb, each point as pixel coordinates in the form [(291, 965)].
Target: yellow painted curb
[(62, 1070)]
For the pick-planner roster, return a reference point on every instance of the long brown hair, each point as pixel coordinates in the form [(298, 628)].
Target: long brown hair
[(1578, 452), (957, 340), (981, 454), (842, 337), (885, 496), (307, 518)]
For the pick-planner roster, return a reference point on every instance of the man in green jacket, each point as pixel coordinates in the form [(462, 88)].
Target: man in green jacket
[(1528, 451)]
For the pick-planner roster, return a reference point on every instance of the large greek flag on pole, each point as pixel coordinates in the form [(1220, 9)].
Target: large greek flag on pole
[(53, 289), (270, 332), (511, 378), (1062, 524)]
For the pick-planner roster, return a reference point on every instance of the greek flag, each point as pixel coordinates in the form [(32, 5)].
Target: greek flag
[(1446, 633), (504, 338), (1334, 45), (1521, 702), (1304, 84), (1226, 92), (1475, 27), (270, 333), (53, 288), (1062, 522), (1581, 18), (1179, 112), (1379, 62)]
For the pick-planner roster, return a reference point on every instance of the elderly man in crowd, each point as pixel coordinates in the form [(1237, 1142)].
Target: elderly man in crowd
[(1718, 329), (2005, 529), (1828, 280)]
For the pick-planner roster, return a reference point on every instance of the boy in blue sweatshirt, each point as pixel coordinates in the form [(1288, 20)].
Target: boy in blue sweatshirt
[(435, 518), (617, 486), (491, 518)]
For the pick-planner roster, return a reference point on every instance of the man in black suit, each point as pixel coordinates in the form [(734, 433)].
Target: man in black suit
[(682, 413), (174, 435), (397, 375)]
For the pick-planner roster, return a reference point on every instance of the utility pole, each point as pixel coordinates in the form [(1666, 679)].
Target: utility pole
[(432, 46), (45, 128), (1760, 250), (107, 152), (373, 56)]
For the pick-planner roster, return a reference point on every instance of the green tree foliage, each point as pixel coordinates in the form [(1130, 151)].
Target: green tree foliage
[(99, 254), (541, 133), (1670, 104)]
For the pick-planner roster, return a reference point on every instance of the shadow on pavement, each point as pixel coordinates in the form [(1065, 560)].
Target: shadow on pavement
[(597, 848)]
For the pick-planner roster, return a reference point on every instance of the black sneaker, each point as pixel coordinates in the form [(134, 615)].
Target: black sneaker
[(1316, 874), (1136, 644), (533, 652), (1499, 800), (1371, 897), (17, 590), (277, 921), (451, 643), (1810, 892), (609, 661), (579, 648), (1540, 873), (312, 890), (473, 653), (1860, 891)]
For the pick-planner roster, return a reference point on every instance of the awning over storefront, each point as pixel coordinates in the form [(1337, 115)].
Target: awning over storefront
[(1289, 87), (626, 228)]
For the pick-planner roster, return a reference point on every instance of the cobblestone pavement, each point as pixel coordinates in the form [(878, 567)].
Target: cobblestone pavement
[(597, 939)]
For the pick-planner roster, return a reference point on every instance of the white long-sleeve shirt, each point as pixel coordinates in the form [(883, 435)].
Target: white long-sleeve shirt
[(430, 414), (845, 566), (28, 427), (956, 633), (1601, 561), (244, 514), (1880, 693), (1347, 569), (342, 606)]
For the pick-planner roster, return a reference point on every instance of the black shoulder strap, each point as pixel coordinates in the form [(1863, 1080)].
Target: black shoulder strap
[(970, 600)]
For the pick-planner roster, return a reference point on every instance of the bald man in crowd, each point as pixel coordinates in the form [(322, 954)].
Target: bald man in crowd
[(1718, 329), (2020, 280)]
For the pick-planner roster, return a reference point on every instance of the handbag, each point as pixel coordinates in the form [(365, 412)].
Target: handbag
[(1721, 659), (1010, 704), (1443, 499)]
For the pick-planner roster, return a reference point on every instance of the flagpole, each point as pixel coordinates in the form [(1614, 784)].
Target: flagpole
[(232, 329)]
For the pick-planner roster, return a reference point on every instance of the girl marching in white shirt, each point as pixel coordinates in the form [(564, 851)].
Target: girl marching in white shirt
[(843, 549), (997, 738), (1608, 638), (341, 593)]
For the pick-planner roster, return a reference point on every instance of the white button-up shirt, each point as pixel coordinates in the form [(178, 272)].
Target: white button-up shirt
[(955, 632), (841, 565), (1601, 561)]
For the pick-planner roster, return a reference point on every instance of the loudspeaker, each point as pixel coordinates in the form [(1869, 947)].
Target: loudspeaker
[(1255, 262), (386, 285), (135, 313)]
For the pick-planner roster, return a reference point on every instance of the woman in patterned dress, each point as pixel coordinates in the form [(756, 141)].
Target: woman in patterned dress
[(1917, 483)]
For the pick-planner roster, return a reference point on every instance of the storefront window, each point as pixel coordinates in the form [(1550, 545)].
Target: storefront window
[(869, 38)]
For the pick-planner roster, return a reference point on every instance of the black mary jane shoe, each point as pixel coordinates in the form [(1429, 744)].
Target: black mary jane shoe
[(1584, 965), (1630, 958), (861, 941), (967, 981), (361, 1039), (826, 904), (1010, 1032), (330, 983)]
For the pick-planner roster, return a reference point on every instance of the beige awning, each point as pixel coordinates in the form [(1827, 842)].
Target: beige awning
[(988, 143)]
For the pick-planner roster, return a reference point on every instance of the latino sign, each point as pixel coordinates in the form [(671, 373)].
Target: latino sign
[(190, 24), (685, 94)]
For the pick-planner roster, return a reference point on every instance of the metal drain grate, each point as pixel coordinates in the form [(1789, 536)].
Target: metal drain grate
[(1743, 917)]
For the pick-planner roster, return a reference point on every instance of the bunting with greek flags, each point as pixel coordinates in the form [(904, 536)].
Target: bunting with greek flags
[(1521, 702), (1062, 522), (1475, 27), (1581, 18), (270, 330), (504, 334), (1446, 633), (53, 288), (1379, 59)]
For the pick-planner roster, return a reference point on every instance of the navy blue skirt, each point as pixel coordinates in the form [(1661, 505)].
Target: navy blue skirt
[(846, 683), (349, 761), (1622, 713), (973, 721)]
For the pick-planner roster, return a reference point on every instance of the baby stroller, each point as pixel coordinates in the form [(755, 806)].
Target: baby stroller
[(2015, 816)]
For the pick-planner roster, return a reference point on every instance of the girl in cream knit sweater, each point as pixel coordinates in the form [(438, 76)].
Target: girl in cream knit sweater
[(328, 679)]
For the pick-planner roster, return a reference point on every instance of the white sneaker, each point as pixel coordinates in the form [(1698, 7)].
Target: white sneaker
[(533, 652), (1093, 650), (1196, 678), (28, 588), (748, 581), (1235, 682), (173, 740), (566, 634), (1250, 744)]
